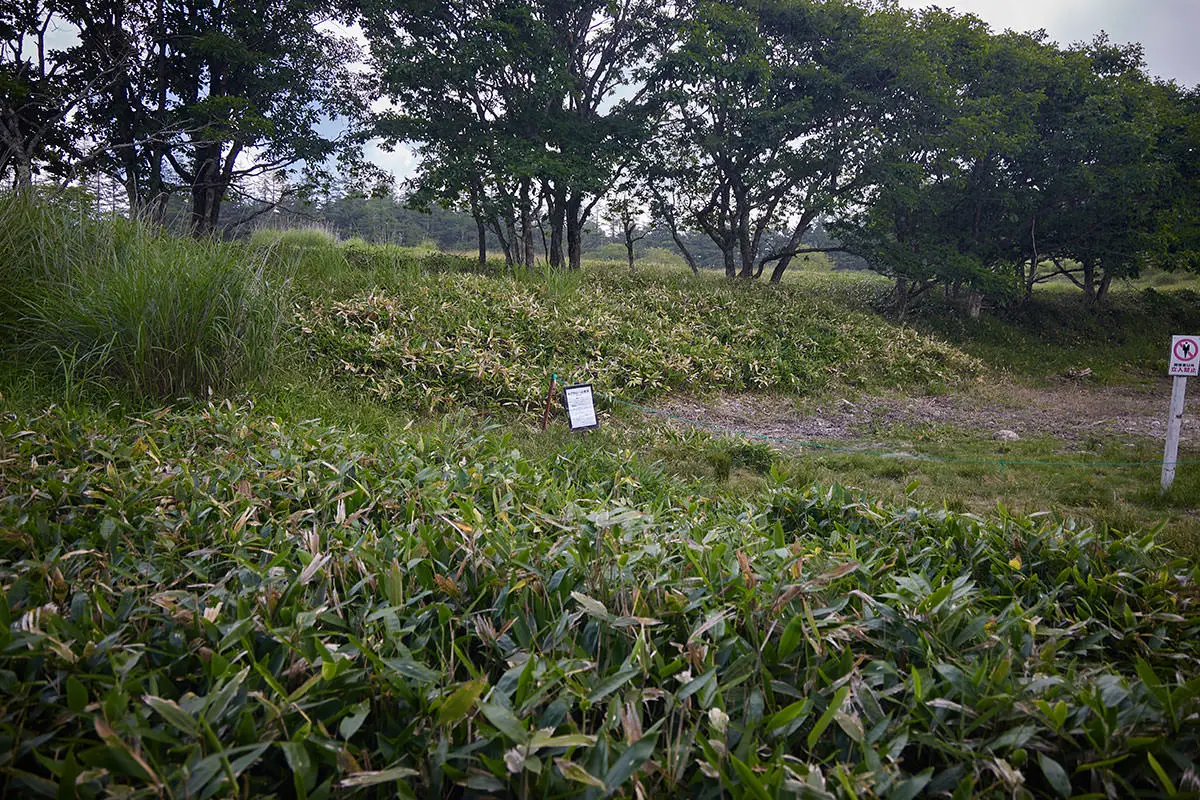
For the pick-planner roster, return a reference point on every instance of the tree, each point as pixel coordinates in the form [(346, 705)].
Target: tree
[(940, 211), (202, 94), (255, 78), (42, 86), (1036, 162), (624, 211), (779, 111), (512, 106), (1178, 218)]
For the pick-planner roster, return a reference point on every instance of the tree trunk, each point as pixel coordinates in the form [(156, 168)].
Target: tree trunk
[(575, 231), (527, 253), (1089, 282), (745, 247), (669, 217), (628, 228), (731, 270), (974, 304), (204, 190), (1102, 289), (558, 213), (687, 254), (502, 236), (512, 250), (793, 243), (1031, 279), (24, 173), (901, 298)]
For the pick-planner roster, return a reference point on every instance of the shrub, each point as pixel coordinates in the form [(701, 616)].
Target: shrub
[(661, 255), (436, 341), (121, 303)]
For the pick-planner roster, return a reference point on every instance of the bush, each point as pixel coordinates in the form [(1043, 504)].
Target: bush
[(121, 303), (437, 341), (663, 256)]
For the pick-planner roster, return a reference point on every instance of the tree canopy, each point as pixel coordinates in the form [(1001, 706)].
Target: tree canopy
[(940, 151)]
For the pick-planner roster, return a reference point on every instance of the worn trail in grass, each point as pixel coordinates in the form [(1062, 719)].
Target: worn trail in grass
[(1092, 452)]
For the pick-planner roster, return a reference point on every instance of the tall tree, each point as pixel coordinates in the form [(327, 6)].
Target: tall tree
[(780, 110), (1038, 162), (255, 79), (513, 106), (201, 94), (42, 86)]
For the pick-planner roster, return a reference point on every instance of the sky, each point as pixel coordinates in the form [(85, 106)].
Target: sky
[(1167, 29)]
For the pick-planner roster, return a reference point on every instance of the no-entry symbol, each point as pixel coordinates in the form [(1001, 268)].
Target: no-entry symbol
[(1185, 361), (1185, 355)]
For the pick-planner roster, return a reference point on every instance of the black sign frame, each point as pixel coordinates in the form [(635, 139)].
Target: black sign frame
[(579, 389)]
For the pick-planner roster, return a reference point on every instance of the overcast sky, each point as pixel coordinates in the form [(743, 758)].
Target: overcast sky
[(1167, 29)]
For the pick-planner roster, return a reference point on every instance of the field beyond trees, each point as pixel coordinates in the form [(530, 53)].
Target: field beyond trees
[(348, 561)]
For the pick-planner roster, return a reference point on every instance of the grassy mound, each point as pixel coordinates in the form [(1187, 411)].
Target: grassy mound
[(1123, 341), (444, 340), (119, 303), (218, 602)]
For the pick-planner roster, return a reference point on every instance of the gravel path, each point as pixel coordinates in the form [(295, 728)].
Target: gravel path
[(1069, 410)]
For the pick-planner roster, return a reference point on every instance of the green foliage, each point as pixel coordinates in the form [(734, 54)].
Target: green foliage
[(661, 256), (439, 341), (218, 602), (293, 237), (119, 303), (760, 99), (1030, 162), (1122, 342)]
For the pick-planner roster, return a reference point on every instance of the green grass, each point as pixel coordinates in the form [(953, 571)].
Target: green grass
[(119, 304), (216, 598), (449, 340), (1123, 341), (311, 237), (321, 588)]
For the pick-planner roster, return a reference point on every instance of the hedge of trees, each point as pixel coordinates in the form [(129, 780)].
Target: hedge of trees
[(940, 151)]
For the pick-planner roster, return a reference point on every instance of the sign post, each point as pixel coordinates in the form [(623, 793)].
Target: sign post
[(1185, 361)]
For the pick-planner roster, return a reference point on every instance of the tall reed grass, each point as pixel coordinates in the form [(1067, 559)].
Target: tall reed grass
[(123, 304)]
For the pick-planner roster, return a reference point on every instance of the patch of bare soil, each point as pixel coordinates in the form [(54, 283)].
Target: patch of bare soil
[(1071, 411)]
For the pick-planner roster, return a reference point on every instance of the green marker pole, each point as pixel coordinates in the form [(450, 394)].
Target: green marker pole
[(549, 397)]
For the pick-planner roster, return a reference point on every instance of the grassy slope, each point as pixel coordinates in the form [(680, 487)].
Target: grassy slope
[(231, 594), (430, 340)]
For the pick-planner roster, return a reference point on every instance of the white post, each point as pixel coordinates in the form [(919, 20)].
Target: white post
[(1174, 421)]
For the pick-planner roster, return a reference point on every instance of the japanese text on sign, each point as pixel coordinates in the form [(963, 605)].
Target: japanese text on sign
[(1185, 355), (581, 406)]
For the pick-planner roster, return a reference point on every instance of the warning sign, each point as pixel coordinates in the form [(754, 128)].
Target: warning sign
[(1185, 355)]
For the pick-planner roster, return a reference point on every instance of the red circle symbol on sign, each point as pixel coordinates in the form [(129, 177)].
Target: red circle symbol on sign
[(1186, 349)]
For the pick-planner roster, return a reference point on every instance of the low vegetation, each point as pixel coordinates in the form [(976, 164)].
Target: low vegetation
[(439, 341), (216, 601), (319, 588)]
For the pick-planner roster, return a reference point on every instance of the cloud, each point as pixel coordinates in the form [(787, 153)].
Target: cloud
[(1165, 28), (400, 161)]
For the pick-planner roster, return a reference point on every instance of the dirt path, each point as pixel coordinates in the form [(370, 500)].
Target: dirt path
[(1073, 412)]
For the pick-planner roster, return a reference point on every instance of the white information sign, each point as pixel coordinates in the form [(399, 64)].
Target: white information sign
[(581, 407), (1185, 361), (1185, 355)]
